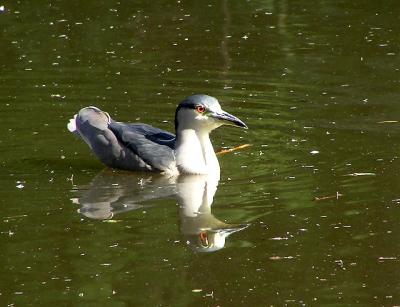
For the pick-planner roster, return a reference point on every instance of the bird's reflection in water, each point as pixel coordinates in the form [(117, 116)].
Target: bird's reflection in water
[(201, 229), (112, 193)]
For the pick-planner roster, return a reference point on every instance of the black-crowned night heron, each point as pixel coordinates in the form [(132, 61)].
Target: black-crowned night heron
[(145, 148)]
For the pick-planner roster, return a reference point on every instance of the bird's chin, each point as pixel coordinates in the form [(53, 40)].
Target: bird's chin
[(216, 125), (210, 125)]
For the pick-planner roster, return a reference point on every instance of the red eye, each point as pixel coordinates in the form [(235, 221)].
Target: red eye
[(200, 109)]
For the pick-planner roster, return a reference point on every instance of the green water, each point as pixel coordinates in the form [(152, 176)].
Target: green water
[(314, 202)]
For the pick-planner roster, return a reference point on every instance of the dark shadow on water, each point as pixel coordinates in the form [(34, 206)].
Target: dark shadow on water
[(111, 193)]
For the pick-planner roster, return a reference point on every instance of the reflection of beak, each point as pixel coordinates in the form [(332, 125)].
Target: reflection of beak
[(234, 228), (212, 240), (228, 119)]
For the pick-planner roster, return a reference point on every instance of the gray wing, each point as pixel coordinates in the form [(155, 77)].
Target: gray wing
[(153, 145), (131, 147)]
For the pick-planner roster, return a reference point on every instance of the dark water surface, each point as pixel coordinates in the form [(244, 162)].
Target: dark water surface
[(309, 214)]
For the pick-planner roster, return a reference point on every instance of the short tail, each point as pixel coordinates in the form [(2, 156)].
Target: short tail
[(93, 114), (72, 125)]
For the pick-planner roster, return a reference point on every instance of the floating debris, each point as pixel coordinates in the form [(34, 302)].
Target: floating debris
[(14, 216), (197, 290), (387, 258), (225, 151), (388, 122), (279, 238), (280, 257), (360, 174), (329, 197)]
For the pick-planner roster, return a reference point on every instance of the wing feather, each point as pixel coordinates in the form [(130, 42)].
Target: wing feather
[(153, 145)]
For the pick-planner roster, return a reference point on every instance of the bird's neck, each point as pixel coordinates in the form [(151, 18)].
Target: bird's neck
[(194, 153)]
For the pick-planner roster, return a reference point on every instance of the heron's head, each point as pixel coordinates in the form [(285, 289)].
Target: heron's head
[(211, 240), (203, 113)]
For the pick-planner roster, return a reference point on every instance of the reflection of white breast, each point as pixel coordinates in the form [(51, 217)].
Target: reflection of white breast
[(202, 230), (196, 194)]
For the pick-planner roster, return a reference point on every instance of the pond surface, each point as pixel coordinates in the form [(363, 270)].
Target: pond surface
[(308, 215)]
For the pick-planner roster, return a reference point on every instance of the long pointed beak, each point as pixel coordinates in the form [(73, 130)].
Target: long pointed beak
[(228, 119)]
